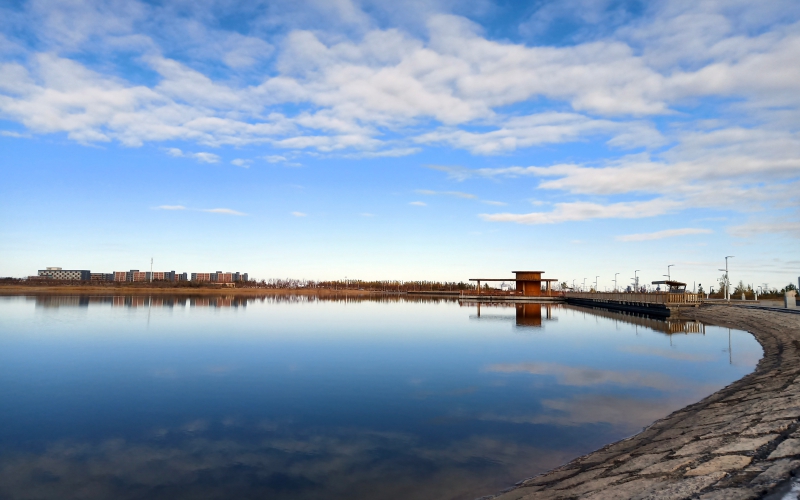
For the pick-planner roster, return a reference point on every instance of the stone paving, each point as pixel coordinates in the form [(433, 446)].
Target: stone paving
[(739, 443)]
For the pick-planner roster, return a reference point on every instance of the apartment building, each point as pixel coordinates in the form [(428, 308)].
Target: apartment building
[(56, 273), (220, 277), (134, 275)]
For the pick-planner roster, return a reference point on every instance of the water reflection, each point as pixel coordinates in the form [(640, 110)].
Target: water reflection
[(302, 396), (525, 314), (205, 300)]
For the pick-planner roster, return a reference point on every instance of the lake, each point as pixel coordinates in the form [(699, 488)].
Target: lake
[(304, 397)]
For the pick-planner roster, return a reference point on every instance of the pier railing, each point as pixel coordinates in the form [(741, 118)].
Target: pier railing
[(649, 298)]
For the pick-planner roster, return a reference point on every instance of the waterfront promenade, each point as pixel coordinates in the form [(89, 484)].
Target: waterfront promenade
[(741, 442)]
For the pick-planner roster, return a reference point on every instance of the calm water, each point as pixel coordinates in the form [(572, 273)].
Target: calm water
[(301, 398)]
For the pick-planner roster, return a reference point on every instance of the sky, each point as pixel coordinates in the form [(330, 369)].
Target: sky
[(434, 140)]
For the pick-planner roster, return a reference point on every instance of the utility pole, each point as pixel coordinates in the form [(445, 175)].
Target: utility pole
[(584, 285), (151, 269), (615, 282), (595, 284)]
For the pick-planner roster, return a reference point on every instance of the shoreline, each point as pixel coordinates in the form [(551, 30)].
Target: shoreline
[(10, 290), (740, 443)]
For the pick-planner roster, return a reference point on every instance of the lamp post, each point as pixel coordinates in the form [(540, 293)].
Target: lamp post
[(727, 279), (668, 276), (595, 284), (584, 285), (615, 282), (636, 278)]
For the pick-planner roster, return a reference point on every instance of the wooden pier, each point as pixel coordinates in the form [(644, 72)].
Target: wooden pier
[(657, 304)]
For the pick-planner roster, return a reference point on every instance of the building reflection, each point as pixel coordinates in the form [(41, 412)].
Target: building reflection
[(218, 301)]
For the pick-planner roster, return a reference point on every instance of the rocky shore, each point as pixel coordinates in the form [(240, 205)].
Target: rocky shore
[(742, 442)]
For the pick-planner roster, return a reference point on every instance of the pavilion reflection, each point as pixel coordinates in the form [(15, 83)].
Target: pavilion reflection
[(525, 314)]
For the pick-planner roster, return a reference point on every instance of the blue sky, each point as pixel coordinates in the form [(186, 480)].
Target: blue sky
[(423, 140)]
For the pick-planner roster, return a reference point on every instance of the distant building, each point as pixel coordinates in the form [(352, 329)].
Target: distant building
[(220, 277), (102, 276), (136, 275), (56, 273)]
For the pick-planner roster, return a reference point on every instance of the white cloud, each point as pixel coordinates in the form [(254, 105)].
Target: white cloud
[(11, 133), (495, 203), (367, 214), (708, 89), (545, 128), (171, 207), (201, 157), (240, 162), (788, 225), (224, 211), (386, 153), (205, 157), (581, 211), (299, 214), (275, 158), (457, 194), (667, 233), (331, 93), (418, 203)]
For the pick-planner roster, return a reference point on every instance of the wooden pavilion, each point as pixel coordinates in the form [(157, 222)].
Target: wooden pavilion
[(528, 284)]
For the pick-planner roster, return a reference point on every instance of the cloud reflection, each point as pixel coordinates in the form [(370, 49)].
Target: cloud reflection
[(258, 463), (667, 353), (584, 376), (626, 414)]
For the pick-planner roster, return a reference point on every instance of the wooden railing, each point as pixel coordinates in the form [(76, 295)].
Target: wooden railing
[(650, 298)]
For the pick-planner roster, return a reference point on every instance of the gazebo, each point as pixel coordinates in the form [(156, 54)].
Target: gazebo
[(528, 283)]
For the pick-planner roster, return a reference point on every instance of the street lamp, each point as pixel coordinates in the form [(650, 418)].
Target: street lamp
[(615, 282), (595, 284), (727, 279), (584, 285), (668, 276), (636, 278)]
